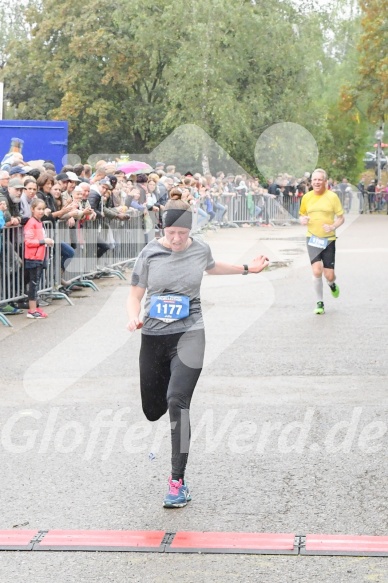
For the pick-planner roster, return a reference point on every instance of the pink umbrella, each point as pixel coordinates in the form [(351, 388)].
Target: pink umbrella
[(134, 167)]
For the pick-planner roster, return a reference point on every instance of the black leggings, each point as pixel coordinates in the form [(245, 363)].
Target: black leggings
[(170, 366), (32, 278)]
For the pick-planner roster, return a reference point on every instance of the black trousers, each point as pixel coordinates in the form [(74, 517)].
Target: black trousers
[(170, 366)]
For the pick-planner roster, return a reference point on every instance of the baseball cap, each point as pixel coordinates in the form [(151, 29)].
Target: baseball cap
[(17, 170), (73, 177), (63, 176), (106, 182), (16, 183)]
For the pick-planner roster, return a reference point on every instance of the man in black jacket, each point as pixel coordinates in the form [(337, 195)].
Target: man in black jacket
[(97, 191), (12, 196), (10, 259), (371, 189)]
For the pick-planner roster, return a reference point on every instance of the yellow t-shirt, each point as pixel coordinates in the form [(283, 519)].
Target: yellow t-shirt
[(322, 210)]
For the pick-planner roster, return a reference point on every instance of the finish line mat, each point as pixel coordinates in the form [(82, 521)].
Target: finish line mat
[(193, 542)]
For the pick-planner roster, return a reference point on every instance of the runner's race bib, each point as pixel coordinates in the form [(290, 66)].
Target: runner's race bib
[(318, 242), (169, 308)]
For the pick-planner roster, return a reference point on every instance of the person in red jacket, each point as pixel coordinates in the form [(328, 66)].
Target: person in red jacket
[(35, 246)]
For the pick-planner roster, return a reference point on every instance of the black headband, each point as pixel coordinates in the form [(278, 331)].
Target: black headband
[(177, 218)]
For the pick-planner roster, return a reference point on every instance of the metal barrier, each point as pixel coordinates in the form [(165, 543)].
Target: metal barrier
[(101, 247), (114, 240), (252, 209), (48, 286), (291, 204), (127, 238), (83, 238), (105, 247), (282, 211), (11, 267), (12, 273), (239, 211), (258, 209)]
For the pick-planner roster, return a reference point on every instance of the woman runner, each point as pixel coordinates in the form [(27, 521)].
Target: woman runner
[(170, 269)]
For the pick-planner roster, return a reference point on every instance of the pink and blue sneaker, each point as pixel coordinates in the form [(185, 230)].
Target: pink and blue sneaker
[(178, 494)]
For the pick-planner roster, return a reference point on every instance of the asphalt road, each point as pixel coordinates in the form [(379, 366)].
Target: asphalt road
[(289, 420)]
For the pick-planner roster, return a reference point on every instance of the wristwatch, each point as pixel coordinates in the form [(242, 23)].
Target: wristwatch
[(246, 269)]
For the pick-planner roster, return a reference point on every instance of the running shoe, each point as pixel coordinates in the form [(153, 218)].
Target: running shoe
[(41, 312), (37, 314), (334, 290), (178, 494), (9, 310), (320, 309)]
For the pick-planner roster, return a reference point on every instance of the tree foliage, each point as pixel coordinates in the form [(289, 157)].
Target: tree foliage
[(373, 47), (343, 142), (13, 25), (127, 74)]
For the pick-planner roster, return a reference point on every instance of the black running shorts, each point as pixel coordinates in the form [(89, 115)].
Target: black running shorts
[(327, 256)]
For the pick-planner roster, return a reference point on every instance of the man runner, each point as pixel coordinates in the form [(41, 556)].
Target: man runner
[(321, 210)]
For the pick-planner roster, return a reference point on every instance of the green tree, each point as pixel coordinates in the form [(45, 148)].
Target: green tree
[(125, 75), (373, 47), (12, 26), (248, 70), (343, 141), (78, 65)]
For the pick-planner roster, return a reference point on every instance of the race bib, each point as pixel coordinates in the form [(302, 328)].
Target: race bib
[(169, 308), (318, 242)]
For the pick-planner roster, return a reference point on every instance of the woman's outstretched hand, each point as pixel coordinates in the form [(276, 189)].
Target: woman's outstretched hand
[(258, 264)]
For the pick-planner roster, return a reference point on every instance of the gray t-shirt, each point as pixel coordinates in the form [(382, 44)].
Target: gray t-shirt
[(163, 271)]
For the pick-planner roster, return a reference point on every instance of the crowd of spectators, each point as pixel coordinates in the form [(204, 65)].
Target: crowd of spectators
[(373, 196), (80, 193)]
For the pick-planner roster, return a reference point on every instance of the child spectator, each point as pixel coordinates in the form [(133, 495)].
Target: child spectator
[(35, 243)]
